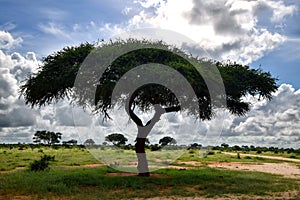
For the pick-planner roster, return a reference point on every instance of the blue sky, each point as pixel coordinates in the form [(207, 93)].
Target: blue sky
[(29, 21), (262, 33)]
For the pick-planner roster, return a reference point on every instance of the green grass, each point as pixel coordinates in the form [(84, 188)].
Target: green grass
[(92, 183), (12, 158), (66, 182), (202, 157)]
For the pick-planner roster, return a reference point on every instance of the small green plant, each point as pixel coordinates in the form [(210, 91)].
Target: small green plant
[(42, 164), (191, 151), (258, 151)]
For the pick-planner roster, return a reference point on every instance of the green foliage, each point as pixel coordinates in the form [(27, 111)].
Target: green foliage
[(155, 147), (56, 78), (259, 151), (224, 145), (70, 142), (48, 137), (89, 142), (42, 164), (167, 140), (117, 139)]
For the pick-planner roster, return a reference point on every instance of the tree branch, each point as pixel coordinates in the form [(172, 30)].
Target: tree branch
[(132, 115), (173, 109)]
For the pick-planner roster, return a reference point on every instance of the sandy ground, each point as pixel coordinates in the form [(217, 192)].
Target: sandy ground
[(261, 156), (292, 195), (285, 169), (135, 174)]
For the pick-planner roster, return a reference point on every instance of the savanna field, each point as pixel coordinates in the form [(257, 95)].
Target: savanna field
[(219, 173)]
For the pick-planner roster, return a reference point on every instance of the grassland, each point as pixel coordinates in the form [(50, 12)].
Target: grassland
[(69, 178)]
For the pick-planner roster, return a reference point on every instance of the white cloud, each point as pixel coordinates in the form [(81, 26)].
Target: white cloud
[(53, 14), (277, 120), (55, 29), (7, 41), (226, 29), (13, 69), (126, 10), (280, 11)]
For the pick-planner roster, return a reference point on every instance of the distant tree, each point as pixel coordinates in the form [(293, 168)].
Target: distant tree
[(47, 137), (237, 148), (196, 146), (89, 142), (167, 140), (117, 139), (70, 142), (225, 145)]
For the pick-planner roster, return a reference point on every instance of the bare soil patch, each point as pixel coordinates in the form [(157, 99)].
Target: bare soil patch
[(291, 195), (122, 174), (285, 169), (93, 165), (194, 163), (262, 156)]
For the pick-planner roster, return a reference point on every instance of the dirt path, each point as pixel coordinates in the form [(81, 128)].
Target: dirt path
[(291, 195), (285, 169), (261, 156)]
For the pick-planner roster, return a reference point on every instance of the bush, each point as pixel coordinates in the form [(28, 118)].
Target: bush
[(155, 147), (191, 151), (42, 164), (259, 152)]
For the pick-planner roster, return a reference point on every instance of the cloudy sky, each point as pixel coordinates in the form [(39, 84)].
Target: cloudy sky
[(262, 33)]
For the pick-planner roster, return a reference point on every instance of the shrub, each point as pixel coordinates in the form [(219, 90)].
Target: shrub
[(191, 151), (42, 164), (259, 152), (155, 147)]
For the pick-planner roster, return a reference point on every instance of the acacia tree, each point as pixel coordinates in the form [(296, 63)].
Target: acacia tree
[(116, 138), (167, 140), (89, 142), (47, 137), (56, 78)]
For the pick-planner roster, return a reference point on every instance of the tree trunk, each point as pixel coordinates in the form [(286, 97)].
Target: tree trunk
[(142, 159)]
